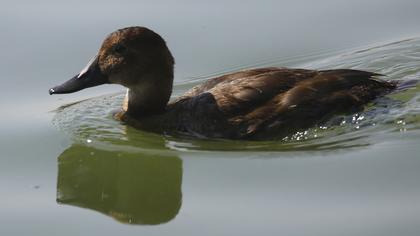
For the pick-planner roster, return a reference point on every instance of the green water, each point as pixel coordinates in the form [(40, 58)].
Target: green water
[(68, 168)]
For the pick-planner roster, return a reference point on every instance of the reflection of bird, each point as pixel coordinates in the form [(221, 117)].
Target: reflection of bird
[(130, 187), (254, 104)]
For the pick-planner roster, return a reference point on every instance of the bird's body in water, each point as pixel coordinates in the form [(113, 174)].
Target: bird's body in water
[(259, 103)]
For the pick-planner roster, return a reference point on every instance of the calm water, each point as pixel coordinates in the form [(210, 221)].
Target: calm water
[(67, 168)]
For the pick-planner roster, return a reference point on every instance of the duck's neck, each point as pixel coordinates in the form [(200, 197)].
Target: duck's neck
[(150, 96)]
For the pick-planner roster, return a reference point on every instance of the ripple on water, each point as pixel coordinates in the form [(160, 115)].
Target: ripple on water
[(90, 121)]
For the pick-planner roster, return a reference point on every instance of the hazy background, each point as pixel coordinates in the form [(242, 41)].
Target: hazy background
[(366, 191), (46, 42)]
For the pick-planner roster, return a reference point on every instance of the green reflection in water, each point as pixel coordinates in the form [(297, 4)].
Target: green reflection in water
[(132, 188)]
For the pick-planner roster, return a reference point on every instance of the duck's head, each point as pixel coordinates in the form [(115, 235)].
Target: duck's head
[(134, 57)]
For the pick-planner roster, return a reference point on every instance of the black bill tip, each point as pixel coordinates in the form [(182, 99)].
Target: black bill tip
[(90, 76), (51, 91)]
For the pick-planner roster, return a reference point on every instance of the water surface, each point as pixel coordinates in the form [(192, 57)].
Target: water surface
[(68, 168)]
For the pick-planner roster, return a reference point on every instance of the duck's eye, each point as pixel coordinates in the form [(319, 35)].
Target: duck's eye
[(119, 48)]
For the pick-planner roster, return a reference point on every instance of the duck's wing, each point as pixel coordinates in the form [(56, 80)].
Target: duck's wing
[(240, 75), (242, 91), (312, 100)]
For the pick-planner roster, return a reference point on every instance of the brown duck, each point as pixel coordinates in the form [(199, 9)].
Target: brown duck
[(252, 104)]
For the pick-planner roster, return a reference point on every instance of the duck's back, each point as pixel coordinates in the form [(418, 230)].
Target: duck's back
[(271, 102)]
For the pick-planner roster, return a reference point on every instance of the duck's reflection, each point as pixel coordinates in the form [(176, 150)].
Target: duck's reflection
[(130, 187)]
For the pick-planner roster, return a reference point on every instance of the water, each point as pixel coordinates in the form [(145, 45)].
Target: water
[(68, 168)]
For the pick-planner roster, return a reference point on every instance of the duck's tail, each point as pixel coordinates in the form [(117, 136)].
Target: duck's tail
[(402, 85)]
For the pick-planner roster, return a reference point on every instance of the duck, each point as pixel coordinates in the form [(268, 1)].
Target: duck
[(252, 104)]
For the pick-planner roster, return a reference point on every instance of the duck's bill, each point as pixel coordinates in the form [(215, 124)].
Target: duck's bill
[(90, 76)]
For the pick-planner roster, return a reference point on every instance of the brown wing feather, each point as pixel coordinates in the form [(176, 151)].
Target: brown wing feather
[(201, 88), (313, 100), (236, 94)]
